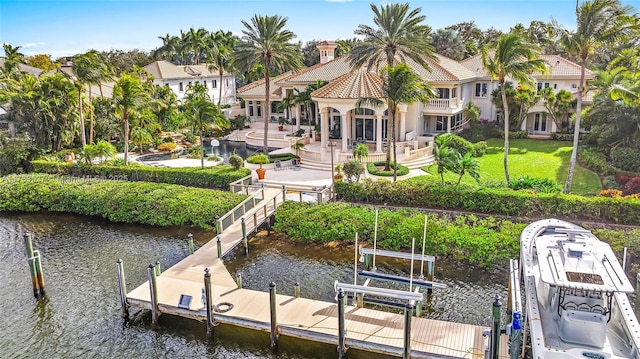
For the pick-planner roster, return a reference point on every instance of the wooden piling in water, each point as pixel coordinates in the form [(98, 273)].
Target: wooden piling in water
[(342, 348), (244, 236), (190, 242), (274, 320), (408, 314), (153, 290), (32, 265), (122, 286), (39, 273), (208, 304)]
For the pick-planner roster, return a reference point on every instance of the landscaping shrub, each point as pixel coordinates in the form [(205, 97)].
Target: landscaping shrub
[(117, 201), (562, 136), (353, 170), (210, 177), (623, 178), (427, 192), (610, 182), (479, 149), (460, 144), (631, 187), (372, 167), (479, 241), (611, 193), (539, 185), (236, 161), (15, 155), (626, 158), (596, 161), (167, 146)]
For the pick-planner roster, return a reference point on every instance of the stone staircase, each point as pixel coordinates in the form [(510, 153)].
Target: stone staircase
[(239, 135), (326, 166)]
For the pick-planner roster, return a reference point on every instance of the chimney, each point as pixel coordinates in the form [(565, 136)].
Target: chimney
[(326, 49)]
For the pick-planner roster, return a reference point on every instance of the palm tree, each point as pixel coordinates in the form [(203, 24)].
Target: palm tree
[(517, 59), (445, 157), (204, 113), (266, 42), (597, 22), (140, 137), (12, 58), (221, 51), (400, 85), (399, 35), (87, 70), (129, 95), (471, 112), (468, 165)]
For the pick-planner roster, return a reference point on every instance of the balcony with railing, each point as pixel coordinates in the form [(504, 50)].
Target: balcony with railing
[(444, 105)]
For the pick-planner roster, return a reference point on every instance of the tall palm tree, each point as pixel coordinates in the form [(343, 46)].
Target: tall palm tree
[(597, 22), (129, 96), (517, 59), (445, 158), (203, 113), (221, 55), (86, 70), (400, 35), (265, 41), (12, 58), (400, 85)]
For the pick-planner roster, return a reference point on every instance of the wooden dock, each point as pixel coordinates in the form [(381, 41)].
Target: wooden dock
[(366, 329)]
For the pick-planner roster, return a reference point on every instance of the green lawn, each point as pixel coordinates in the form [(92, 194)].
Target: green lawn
[(536, 158)]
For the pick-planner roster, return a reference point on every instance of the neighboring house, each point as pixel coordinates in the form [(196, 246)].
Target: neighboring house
[(5, 124), (562, 75), (179, 77), (455, 83)]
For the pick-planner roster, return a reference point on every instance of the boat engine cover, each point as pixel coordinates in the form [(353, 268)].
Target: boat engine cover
[(585, 328)]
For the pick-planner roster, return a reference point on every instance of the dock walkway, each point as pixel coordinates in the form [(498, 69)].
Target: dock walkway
[(366, 329)]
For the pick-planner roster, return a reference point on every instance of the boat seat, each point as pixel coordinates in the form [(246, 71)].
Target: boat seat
[(584, 328)]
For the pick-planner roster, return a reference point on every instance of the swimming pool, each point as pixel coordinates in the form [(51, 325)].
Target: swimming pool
[(224, 151)]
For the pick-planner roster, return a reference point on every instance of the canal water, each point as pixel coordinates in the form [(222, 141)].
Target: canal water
[(81, 316)]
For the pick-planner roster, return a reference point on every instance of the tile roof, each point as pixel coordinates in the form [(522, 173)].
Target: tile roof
[(257, 88), (559, 67), (442, 70), (352, 85), (323, 72), (164, 70), (25, 68)]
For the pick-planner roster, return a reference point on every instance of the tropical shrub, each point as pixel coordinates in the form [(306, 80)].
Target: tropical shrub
[(626, 158), (610, 182), (167, 146), (460, 144), (167, 139), (622, 178), (101, 151), (426, 192), (117, 201), (540, 185), (479, 149), (15, 155), (631, 187), (482, 241), (360, 152), (596, 161), (611, 193), (193, 151), (374, 169), (258, 159), (557, 136), (236, 161), (353, 170), (210, 177)]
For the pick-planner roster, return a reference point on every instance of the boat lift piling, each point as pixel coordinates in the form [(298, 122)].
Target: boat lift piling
[(495, 329), (342, 348), (190, 243), (208, 300), (153, 291), (244, 237), (274, 320), (122, 286), (35, 268)]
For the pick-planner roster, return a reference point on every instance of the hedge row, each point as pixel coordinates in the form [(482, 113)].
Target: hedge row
[(217, 177), (427, 192), (116, 201), (483, 242)]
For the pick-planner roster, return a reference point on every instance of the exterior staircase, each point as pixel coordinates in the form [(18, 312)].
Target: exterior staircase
[(326, 166)]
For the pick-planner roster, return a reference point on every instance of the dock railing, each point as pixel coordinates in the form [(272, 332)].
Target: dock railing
[(241, 209)]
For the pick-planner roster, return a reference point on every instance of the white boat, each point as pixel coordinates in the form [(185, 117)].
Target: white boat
[(575, 295)]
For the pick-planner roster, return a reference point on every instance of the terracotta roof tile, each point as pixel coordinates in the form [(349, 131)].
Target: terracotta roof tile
[(257, 88), (559, 67), (352, 85), (164, 70), (323, 72)]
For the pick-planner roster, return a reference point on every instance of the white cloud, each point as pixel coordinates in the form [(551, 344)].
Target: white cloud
[(32, 44)]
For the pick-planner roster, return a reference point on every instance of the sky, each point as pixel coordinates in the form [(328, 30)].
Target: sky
[(69, 27)]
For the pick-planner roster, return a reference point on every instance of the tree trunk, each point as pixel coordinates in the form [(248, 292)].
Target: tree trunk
[(393, 140), (576, 130), (506, 132), (82, 134), (201, 146), (220, 88), (90, 121), (267, 110), (126, 137)]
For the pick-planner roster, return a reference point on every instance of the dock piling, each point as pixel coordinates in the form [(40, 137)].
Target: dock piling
[(274, 321), (153, 289), (207, 296), (244, 236), (122, 286), (342, 349), (157, 268), (296, 289), (39, 272), (219, 246), (190, 242), (239, 280), (495, 328), (32, 265), (430, 270), (408, 313)]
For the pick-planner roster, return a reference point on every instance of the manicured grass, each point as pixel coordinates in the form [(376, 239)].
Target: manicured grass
[(536, 158)]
